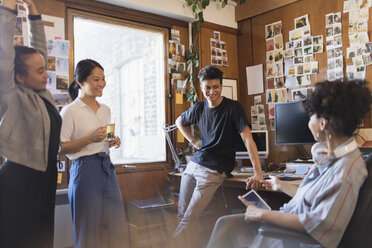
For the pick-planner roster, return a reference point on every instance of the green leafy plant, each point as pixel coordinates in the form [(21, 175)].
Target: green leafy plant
[(192, 55)]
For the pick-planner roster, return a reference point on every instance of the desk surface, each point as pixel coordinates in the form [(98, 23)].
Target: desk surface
[(239, 179)]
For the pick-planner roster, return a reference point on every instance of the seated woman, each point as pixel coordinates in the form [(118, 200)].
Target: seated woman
[(325, 200)]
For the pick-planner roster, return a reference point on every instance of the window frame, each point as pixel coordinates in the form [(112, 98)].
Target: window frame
[(71, 14)]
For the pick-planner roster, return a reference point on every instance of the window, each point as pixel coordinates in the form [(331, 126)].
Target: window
[(134, 61)]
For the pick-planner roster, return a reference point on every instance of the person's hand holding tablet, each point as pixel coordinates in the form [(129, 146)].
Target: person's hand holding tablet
[(256, 206)]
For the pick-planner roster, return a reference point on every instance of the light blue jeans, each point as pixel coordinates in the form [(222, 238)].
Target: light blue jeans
[(198, 186), (96, 204)]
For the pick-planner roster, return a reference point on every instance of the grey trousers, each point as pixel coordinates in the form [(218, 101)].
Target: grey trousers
[(198, 186)]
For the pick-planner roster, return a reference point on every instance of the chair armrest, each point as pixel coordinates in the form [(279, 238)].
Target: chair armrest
[(285, 234)]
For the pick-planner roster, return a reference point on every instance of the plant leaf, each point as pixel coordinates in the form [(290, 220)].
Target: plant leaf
[(197, 27)]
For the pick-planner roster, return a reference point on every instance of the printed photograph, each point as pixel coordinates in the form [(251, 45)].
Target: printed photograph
[(51, 63), (270, 57), (216, 35), (61, 48), (298, 60), (297, 44), (180, 50), (181, 67), (337, 29), (269, 71), (278, 42), (254, 110), (314, 67), (269, 33), (270, 83), (308, 59), (269, 45), (289, 45), (277, 28), (62, 82), (308, 50), (301, 21), (337, 40), (329, 19), (278, 71), (278, 56), (318, 40), (18, 27), (298, 52), (223, 45), (329, 31), (18, 41), (289, 53), (257, 100), (279, 82), (61, 99), (260, 109), (307, 68), (299, 94), (308, 41), (337, 17), (353, 28), (62, 66), (51, 81)]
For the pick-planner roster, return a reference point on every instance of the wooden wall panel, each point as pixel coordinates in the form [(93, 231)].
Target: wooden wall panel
[(316, 10)]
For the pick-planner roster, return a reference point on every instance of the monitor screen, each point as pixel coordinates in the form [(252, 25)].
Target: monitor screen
[(261, 139), (291, 124)]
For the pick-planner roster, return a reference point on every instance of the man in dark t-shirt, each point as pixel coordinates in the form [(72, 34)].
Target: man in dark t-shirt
[(220, 120)]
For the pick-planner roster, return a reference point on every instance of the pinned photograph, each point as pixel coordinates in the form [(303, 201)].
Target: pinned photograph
[(254, 119), (180, 50), (329, 31), (269, 45), (213, 43), (271, 108), (278, 42), (279, 82), (339, 73), (329, 42), (338, 52), (176, 76), (172, 65), (307, 68), (50, 47), (354, 38), (297, 44), (254, 110), (308, 59), (298, 52), (18, 27), (175, 33), (277, 28), (289, 45), (297, 34), (51, 81), (61, 48), (337, 29), (301, 21), (367, 60), (314, 67), (278, 71), (18, 41), (263, 127), (62, 82), (216, 35), (318, 49), (289, 53), (269, 33), (299, 94), (337, 17), (363, 37), (62, 66), (269, 71), (292, 70), (260, 109), (51, 63), (308, 50), (351, 52), (300, 69), (270, 57), (368, 47), (172, 49), (306, 31), (362, 26), (353, 28), (61, 99), (358, 61), (261, 120), (339, 62), (337, 40), (278, 56), (331, 64), (223, 45), (270, 83), (180, 67), (257, 100), (329, 19), (318, 40), (298, 60), (308, 41)]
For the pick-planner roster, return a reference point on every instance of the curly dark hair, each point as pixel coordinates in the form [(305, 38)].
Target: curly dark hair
[(342, 103), (210, 72)]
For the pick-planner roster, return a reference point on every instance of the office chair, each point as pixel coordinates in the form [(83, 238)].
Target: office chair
[(357, 234)]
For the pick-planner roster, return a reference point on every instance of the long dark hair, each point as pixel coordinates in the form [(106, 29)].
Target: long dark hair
[(20, 67), (82, 70)]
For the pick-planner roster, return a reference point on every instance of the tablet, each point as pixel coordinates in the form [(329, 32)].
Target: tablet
[(256, 200)]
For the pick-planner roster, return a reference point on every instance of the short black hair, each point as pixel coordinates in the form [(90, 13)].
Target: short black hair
[(210, 72), (343, 103), (21, 52)]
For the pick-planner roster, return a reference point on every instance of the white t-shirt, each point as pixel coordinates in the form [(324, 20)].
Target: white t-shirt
[(78, 120)]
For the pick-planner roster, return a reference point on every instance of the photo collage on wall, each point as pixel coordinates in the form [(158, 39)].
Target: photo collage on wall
[(333, 32), (57, 63), (258, 114), (176, 61), (274, 56), (299, 54), (218, 50), (360, 49)]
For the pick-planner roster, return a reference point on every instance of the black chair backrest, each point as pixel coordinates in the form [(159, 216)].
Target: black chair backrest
[(359, 231)]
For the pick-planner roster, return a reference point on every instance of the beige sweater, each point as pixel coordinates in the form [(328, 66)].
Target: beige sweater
[(24, 119)]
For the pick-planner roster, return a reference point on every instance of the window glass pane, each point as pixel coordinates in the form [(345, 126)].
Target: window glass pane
[(133, 60)]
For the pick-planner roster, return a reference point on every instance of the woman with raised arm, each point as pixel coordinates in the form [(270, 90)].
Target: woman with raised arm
[(93, 190), (324, 202), (29, 135)]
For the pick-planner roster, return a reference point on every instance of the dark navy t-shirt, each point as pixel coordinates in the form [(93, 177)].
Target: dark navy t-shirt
[(219, 128)]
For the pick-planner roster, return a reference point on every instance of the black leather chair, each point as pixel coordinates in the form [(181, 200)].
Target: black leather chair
[(358, 233)]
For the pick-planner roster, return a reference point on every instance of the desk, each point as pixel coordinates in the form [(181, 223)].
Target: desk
[(232, 187)]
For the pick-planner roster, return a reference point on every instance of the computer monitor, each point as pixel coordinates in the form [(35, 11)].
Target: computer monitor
[(261, 139), (291, 124)]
